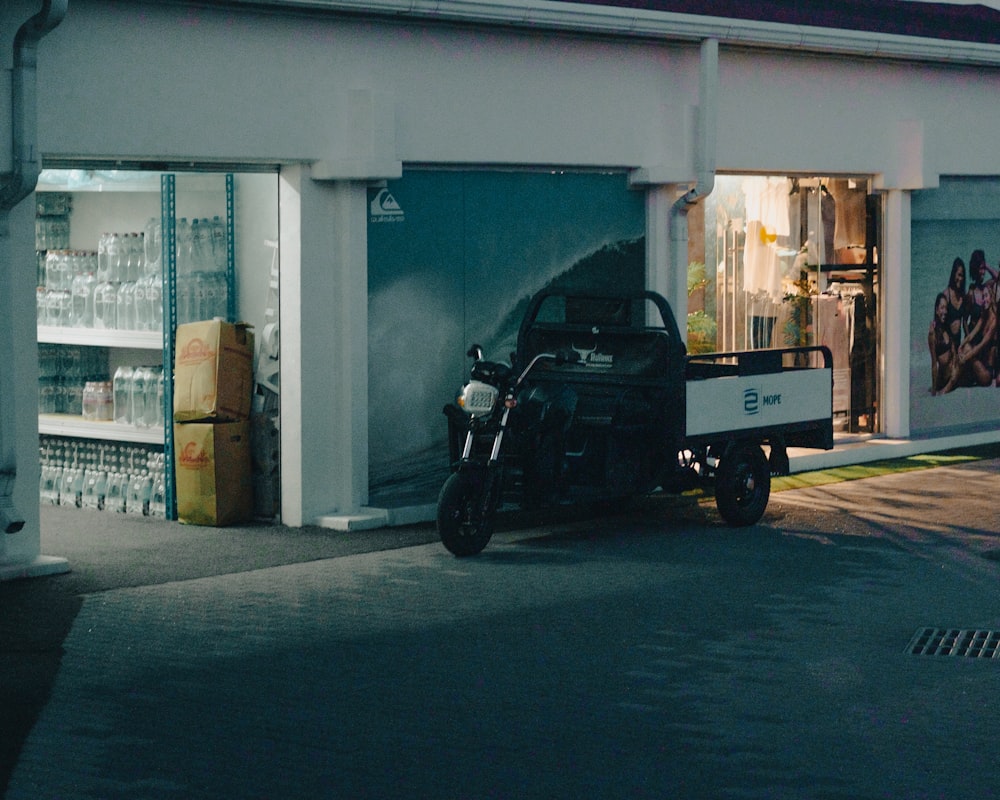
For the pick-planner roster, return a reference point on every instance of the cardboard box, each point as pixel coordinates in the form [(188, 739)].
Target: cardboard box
[(213, 371), (213, 473)]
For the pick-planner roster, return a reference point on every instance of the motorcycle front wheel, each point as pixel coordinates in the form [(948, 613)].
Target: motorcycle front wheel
[(458, 523)]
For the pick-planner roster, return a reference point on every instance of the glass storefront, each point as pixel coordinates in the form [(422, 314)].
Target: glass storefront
[(791, 261)]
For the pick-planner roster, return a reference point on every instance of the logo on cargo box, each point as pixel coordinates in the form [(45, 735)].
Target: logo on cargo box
[(755, 399), (193, 457), (195, 350)]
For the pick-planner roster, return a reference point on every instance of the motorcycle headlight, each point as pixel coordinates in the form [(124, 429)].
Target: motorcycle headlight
[(478, 398)]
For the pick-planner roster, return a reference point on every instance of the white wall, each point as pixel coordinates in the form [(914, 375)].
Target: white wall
[(266, 87), (277, 89), (788, 112)]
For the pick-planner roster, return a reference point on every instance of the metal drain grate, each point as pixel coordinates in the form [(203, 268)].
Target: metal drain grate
[(955, 642)]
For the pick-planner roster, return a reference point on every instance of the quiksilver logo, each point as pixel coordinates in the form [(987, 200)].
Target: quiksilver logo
[(385, 208)]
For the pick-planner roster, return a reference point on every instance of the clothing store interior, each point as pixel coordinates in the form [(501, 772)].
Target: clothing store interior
[(788, 262)]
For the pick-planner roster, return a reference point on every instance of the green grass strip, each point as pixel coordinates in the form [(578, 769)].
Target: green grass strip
[(909, 464)]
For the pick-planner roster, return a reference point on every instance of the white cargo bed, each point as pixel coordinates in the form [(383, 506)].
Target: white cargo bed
[(729, 393)]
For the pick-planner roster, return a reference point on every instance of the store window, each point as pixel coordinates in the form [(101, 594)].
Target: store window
[(110, 289), (791, 261)]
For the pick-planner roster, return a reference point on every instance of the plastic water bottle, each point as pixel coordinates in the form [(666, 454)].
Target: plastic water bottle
[(158, 496), (51, 270), (201, 242), (185, 287), (50, 482), (95, 483), (137, 396), (83, 300), (71, 487), (139, 491), (117, 492), (103, 262), (105, 306), (152, 241), (199, 295), (140, 305), (66, 265), (136, 256), (184, 266), (126, 307), (154, 296), (122, 389), (153, 405), (116, 271), (220, 239), (59, 307)]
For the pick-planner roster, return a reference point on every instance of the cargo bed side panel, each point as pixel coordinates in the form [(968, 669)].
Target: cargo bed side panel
[(743, 403)]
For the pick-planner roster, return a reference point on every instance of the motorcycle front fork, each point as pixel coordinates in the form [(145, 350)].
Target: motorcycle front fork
[(490, 473)]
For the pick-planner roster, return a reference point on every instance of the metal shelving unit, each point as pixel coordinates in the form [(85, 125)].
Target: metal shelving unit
[(72, 426)]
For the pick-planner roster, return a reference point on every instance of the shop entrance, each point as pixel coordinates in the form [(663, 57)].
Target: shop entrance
[(792, 261), (124, 256)]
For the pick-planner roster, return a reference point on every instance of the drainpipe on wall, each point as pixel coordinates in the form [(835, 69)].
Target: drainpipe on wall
[(15, 186), (704, 157)]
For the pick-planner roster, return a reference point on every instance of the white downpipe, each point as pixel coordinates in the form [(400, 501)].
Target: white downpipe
[(704, 160)]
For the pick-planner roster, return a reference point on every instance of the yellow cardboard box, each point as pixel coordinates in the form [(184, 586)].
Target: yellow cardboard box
[(213, 473), (213, 371)]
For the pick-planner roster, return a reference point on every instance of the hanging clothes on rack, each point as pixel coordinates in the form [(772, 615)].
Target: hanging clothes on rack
[(767, 234), (850, 221)]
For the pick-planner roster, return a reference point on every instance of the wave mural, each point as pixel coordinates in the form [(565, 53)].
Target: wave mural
[(416, 338)]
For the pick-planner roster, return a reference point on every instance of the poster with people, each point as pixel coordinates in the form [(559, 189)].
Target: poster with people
[(962, 339), (955, 295)]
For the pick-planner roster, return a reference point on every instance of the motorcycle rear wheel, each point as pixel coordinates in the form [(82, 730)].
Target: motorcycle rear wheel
[(743, 485), (458, 523)]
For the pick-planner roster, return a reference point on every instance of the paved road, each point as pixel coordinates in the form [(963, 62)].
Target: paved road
[(656, 654)]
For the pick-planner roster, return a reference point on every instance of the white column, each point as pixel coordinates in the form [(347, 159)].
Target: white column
[(20, 552), (895, 323), (324, 352), (289, 294)]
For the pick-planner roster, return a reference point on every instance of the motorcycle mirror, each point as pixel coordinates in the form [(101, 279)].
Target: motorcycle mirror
[(476, 352)]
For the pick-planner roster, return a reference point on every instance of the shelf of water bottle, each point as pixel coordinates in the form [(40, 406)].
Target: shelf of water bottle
[(133, 306), (120, 286), (76, 396), (103, 477)]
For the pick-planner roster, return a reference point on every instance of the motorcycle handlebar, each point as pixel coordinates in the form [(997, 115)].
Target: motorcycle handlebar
[(562, 356), (496, 374)]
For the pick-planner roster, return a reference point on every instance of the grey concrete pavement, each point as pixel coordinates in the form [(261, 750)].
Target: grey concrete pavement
[(653, 654)]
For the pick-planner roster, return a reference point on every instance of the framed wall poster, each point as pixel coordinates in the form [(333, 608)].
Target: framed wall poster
[(954, 362)]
